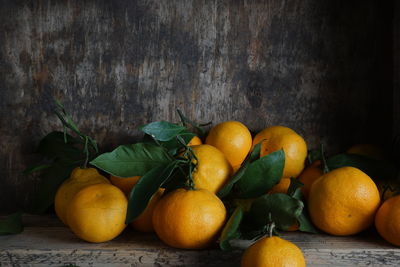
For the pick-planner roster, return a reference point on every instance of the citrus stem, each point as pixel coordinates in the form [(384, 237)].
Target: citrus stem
[(325, 168), (191, 181), (87, 153), (186, 121), (271, 228)]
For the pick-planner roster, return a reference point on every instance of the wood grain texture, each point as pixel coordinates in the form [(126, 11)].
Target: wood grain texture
[(315, 66), (45, 242)]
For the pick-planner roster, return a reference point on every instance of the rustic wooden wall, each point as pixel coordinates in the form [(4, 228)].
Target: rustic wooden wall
[(396, 81), (321, 67)]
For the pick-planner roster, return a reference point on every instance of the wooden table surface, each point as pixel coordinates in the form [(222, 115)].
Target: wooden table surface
[(46, 242)]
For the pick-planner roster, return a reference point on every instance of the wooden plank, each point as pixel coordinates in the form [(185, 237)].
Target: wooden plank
[(45, 242), (312, 65)]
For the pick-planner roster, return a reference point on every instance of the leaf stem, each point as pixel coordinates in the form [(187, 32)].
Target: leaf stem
[(325, 168), (271, 229), (198, 126)]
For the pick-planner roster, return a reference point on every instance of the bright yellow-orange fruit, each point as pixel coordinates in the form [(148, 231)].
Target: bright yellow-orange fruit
[(79, 179), (195, 141), (387, 220), (125, 184), (212, 170), (144, 223), (281, 187), (279, 137), (97, 213), (273, 252), (387, 189), (189, 219), (309, 176), (343, 201), (233, 139)]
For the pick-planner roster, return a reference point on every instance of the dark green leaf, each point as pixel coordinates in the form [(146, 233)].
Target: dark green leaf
[(173, 146), (12, 224), (51, 179), (231, 229), (53, 146), (36, 168), (254, 155), (162, 130), (314, 155), (198, 126), (132, 160), (377, 169), (178, 178), (145, 189), (305, 225), (284, 211), (261, 175), (294, 189)]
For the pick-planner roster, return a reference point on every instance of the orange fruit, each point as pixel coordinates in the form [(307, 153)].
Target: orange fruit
[(97, 213), (212, 170), (189, 219), (279, 137), (79, 179), (125, 184), (195, 141), (387, 220), (235, 168), (387, 189), (233, 139), (281, 187), (309, 175), (368, 150), (343, 201), (272, 252), (144, 223)]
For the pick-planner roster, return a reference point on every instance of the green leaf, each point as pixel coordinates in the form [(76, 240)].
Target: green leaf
[(147, 186), (198, 126), (314, 155), (254, 155), (53, 145), (294, 189), (261, 175), (51, 179), (283, 208), (132, 160), (178, 178), (305, 224), (231, 229), (162, 130), (12, 224), (173, 146), (378, 170), (36, 168)]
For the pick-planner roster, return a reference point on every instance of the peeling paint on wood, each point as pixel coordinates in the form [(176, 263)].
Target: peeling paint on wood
[(311, 65)]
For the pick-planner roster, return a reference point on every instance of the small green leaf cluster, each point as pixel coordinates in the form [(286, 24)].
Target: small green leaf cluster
[(252, 181), (162, 159), (60, 153), (12, 224)]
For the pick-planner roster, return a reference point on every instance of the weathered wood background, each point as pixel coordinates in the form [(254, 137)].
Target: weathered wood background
[(322, 67)]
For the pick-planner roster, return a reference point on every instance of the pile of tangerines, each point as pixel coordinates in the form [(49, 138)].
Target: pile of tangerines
[(344, 201)]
